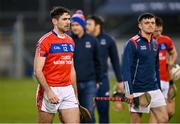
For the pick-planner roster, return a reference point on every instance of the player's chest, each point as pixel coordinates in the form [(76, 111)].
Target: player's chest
[(147, 49)]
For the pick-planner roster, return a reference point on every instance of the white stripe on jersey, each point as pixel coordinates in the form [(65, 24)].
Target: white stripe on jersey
[(43, 37), (40, 41), (127, 91), (137, 64)]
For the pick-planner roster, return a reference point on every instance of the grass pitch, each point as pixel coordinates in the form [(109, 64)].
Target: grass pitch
[(17, 103)]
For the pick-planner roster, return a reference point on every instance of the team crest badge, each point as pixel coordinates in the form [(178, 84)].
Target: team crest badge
[(103, 42), (88, 44), (162, 46), (143, 47)]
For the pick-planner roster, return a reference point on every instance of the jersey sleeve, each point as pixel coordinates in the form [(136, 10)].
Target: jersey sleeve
[(98, 61), (127, 62), (42, 48), (114, 57), (157, 67), (170, 43)]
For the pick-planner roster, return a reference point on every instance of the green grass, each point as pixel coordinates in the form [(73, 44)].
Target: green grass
[(17, 103), (17, 100)]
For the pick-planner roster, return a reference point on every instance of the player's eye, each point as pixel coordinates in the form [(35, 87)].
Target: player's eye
[(64, 19), (146, 23), (149, 23), (153, 23)]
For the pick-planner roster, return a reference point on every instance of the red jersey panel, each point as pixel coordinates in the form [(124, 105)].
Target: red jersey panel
[(165, 45), (59, 53)]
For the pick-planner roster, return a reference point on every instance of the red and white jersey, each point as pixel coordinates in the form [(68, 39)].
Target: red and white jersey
[(59, 53), (165, 46)]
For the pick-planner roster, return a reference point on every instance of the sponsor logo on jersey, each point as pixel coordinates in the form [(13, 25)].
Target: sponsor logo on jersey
[(61, 47), (64, 60), (161, 57)]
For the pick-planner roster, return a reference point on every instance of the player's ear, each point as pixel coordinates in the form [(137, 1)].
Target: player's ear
[(139, 26), (98, 26), (54, 21), (162, 29)]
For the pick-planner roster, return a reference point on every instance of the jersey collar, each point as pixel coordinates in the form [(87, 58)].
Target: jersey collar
[(54, 32)]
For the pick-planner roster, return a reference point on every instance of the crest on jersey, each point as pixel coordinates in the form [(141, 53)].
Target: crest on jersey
[(71, 47), (88, 44), (143, 47), (103, 42), (162, 46)]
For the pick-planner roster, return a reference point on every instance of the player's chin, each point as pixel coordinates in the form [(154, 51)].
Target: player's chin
[(150, 32), (75, 32), (88, 31), (67, 28)]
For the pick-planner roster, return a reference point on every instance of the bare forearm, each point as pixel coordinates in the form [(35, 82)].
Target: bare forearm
[(173, 56), (42, 81), (74, 84), (73, 80), (172, 59)]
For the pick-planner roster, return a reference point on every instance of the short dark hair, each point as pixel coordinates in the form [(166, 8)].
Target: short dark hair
[(98, 20), (159, 22), (145, 16), (58, 11)]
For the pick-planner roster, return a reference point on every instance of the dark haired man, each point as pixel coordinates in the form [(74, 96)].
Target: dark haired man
[(140, 69), (87, 62), (167, 57), (108, 50), (54, 70)]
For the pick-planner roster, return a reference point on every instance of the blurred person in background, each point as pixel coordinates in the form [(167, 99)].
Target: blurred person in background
[(87, 62), (94, 26), (54, 70), (167, 58), (140, 68)]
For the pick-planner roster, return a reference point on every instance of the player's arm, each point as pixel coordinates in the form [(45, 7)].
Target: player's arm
[(38, 67), (172, 56), (157, 70), (73, 79), (98, 61), (114, 57), (127, 61)]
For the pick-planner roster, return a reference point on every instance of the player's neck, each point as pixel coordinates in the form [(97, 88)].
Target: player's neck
[(148, 36), (81, 34), (158, 36), (58, 32), (96, 32)]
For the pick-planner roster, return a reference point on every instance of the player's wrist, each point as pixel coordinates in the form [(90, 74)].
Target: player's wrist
[(48, 90)]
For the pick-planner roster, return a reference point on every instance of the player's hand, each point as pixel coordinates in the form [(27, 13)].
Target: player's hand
[(129, 99), (118, 106), (94, 102), (53, 99), (98, 85), (170, 63), (120, 87)]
